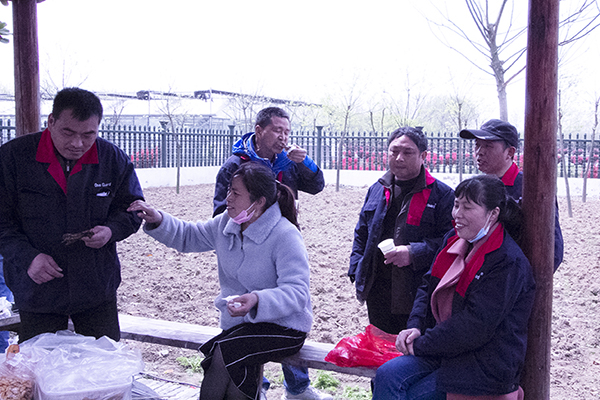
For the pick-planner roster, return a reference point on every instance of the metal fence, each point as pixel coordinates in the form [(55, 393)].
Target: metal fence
[(157, 148)]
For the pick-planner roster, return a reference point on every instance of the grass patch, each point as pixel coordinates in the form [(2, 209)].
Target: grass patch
[(191, 364), (356, 393), (326, 381)]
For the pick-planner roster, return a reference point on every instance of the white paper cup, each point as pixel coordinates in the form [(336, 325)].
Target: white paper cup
[(386, 246)]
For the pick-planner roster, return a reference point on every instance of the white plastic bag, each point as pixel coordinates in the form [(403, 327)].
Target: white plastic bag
[(77, 367)]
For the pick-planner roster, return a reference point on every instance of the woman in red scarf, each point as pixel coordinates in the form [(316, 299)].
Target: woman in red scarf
[(467, 332)]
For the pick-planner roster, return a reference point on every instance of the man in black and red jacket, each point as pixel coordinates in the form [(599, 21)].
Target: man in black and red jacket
[(413, 208), (496, 143)]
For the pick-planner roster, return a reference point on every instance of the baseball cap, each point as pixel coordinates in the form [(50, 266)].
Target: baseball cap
[(494, 129)]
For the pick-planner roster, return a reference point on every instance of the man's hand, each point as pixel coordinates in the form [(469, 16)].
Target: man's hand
[(102, 235), (146, 212), (242, 305), (400, 256), (296, 154), (406, 339), (43, 268)]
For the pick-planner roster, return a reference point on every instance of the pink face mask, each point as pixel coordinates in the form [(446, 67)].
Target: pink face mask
[(244, 216)]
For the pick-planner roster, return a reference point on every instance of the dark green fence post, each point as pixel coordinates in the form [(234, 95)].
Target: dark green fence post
[(319, 146), (163, 149), (231, 138)]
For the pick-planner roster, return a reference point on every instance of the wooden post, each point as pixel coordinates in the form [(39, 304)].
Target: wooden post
[(539, 186), (27, 70)]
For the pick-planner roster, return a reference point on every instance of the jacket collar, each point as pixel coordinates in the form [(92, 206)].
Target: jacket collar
[(425, 179), (444, 259), (510, 175), (246, 146), (47, 154)]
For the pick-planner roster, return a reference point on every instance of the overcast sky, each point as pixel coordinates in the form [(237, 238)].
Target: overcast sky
[(288, 49)]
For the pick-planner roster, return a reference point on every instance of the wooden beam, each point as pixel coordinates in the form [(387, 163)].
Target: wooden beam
[(189, 336), (27, 70), (539, 186)]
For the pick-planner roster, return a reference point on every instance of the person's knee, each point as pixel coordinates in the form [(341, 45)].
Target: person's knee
[(385, 373)]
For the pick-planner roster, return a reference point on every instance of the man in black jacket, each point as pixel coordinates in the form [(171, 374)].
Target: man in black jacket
[(496, 143), (410, 206), (60, 184)]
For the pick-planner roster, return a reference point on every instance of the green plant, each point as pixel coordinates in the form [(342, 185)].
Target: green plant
[(275, 379), (326, 381), (356, 393), (3, 31), (191, 364)]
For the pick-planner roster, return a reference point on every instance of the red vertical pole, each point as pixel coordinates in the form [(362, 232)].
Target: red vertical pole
[(539, 183), (27, 70)]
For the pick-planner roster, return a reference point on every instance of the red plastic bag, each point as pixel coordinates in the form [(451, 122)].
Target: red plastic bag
[(369, 349)]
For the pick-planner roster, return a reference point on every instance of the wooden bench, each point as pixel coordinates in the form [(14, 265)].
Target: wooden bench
[(190, 336)]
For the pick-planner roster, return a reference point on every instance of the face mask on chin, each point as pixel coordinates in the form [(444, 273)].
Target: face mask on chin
[(244, 216), (482, 232)]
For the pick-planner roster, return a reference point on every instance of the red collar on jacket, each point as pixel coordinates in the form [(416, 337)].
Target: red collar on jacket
[(509, 176), (444, 260), (418, 202), (46, 154)]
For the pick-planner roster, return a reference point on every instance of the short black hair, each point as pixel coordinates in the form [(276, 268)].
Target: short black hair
[(415, 134), (263, 118), (83, 104)]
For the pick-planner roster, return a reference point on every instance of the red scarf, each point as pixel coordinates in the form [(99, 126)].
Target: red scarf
[(445, 259)]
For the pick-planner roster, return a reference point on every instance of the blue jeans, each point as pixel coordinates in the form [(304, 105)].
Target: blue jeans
[(4, 292), (296, 379), (407, 378)]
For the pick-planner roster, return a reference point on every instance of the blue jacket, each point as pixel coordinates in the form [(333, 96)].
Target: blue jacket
[(305, 176), (425, 217), (482, 345), (38, 205), (513, 180)]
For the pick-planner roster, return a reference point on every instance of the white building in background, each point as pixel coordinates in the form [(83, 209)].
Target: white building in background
[(201, 109)]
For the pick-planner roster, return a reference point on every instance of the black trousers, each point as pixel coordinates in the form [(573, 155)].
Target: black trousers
[(380, 300), (99, 321), (244, 348)]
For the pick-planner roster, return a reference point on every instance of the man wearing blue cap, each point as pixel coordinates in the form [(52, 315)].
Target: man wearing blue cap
[(495, 145)]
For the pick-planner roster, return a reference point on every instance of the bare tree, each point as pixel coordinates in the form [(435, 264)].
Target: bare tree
[(171, 108), (243, 108), (591, 159), (562, 152), (499, 38), (405, 108), (117, 108), (348, 108)]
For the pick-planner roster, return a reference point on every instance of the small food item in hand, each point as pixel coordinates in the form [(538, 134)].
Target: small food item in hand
[(70, 238)]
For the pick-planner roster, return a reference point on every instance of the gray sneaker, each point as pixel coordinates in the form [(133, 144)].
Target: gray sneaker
[(309, 394)]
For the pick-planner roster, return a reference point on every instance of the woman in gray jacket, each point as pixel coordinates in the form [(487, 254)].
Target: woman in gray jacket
[(264, 302)]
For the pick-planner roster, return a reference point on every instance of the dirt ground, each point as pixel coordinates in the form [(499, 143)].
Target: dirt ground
[(159, 282)]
